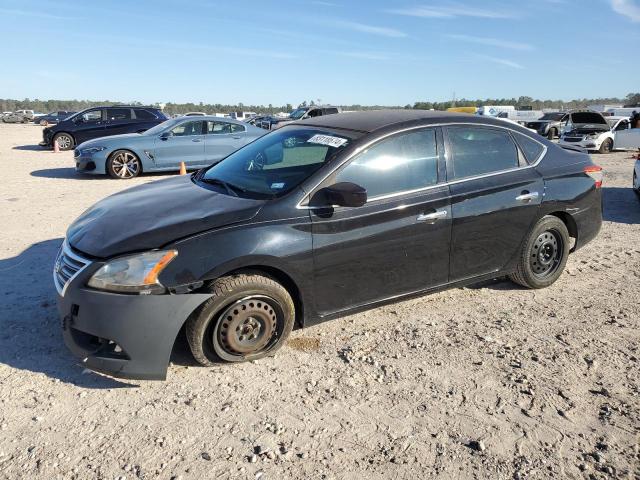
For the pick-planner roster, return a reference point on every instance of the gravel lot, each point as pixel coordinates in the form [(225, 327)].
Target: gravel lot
[(491, 381)]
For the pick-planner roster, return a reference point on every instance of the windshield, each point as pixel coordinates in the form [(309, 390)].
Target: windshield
[(163, 126), (275, 164), (297, 114), (555, 117)]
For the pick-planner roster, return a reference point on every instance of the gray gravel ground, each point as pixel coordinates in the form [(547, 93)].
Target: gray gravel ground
[(491, 381)]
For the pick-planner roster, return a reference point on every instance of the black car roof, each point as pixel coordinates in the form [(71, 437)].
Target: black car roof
[(371, 120)]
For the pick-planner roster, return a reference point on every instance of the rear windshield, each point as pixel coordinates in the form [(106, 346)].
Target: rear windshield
[(276, 163)]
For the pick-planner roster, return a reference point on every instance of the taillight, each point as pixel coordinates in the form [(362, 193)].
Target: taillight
[(595, 172)]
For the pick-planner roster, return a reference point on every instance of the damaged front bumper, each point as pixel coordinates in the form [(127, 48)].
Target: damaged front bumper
[(125, 336)]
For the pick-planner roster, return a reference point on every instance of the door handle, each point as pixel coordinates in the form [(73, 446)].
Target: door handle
[(196, 140), (527, 197), (236, 137), (432, 217)]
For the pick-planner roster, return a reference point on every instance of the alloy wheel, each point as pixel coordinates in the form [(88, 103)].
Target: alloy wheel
[(125, 165), (64, 141), (546, 253)]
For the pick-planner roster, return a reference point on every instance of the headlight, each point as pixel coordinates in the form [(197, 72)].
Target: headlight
[(133, 274), (92, 150), (591, 136)]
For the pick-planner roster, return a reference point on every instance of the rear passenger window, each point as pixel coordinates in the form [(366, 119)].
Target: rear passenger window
[(401, 163), (237, 128), (532, 149), (143, 114), (477, 151), (119, 113)]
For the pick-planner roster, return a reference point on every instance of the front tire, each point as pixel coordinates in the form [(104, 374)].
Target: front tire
[(249, 316), (123, 165), (551, 134), (544, 254), (65, 141), (607, 146)]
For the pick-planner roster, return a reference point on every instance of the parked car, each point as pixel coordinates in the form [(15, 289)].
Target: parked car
[(313, 221), (19, 116), (550, 125), (300, 114), (101, 122), (52, 118), (592, 131), (514, 122), (196, 141), (627, 139)]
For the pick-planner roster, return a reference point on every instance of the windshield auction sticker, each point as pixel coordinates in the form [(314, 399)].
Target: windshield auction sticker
[(328, 140)]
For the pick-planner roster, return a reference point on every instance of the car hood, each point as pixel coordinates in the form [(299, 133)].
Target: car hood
[(107, 141), (152, 215)]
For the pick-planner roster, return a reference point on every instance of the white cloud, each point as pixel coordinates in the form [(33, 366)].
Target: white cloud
[(449, 10), (493, 42), (628, 8), (501, 61), (361, 27)]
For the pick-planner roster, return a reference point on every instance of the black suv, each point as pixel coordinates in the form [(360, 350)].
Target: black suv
[(101, 122)]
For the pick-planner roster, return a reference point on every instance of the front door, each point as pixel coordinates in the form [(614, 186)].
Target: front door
[(184, 143), (222, 139), (89, 125), (398, 242), (495, 198)]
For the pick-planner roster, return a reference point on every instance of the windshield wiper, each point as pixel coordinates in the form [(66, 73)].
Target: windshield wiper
[(229, 187)]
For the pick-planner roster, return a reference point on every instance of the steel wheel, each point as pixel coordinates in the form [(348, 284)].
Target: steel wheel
[(546, 254), (65, 142), (124, 164), (247, 327)]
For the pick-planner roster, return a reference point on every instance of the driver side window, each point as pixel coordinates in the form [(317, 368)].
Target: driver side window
[(92, 116), (187, 129), (401, 163)]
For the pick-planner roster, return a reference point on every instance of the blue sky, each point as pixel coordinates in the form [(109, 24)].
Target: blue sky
[(339, 51)]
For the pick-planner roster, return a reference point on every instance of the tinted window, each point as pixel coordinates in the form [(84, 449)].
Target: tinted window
[(532, 149), (143, 114), (92, 116), (187, 129), (118, 113), (237, 128), (403, 162), (219, 128), (477, 151), (330, 111)]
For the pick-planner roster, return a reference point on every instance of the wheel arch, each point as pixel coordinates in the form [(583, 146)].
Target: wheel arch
[(570, 223)]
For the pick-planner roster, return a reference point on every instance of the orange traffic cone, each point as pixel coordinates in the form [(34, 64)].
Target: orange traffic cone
[(56, 147), (183, 168)]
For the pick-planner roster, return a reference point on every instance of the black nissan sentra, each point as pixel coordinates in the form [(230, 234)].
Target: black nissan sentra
[(316, 220)]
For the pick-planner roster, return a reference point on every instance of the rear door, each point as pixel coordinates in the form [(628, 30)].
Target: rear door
[(222, 139), (398, 242), (495, 198), (185, 143)]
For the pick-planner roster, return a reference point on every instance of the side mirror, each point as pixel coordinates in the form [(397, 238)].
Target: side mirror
[(165, 135), (343, 194)]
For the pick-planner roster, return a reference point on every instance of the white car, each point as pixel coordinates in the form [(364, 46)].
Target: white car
[(508, 120), (627, 139), (592, 131)]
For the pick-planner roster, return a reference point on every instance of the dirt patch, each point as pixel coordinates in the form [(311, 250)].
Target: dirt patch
[(304, 344)]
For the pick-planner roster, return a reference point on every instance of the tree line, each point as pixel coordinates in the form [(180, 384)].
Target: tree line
[(45, 106)]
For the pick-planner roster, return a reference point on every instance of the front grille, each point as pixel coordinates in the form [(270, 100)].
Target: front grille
[(572, 139), (67, 266)]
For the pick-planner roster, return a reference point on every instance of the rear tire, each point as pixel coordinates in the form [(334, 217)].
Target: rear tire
[(551, 134), (249, 316), (544, 254), (606, 146)]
